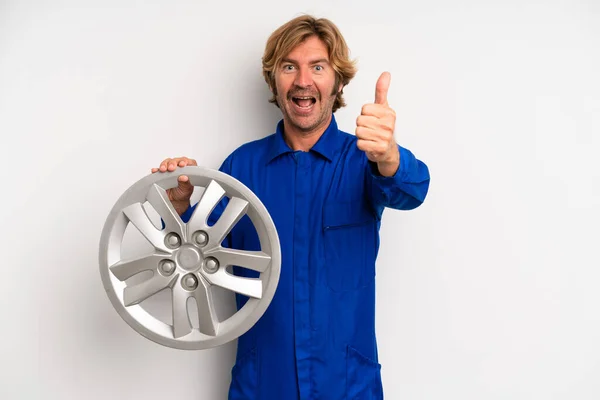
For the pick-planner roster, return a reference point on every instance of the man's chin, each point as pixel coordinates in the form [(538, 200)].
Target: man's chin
[(304, 125)]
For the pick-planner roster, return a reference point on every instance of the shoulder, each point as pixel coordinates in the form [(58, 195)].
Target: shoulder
[(249, 148), (247, 153), (346, 137)]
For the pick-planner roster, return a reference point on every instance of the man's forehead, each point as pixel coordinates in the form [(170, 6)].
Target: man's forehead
[(312, 48)]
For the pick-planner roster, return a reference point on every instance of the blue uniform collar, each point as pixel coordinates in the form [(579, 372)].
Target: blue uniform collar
[(326, 146)]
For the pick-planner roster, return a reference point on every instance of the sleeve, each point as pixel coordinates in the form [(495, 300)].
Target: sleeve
[(405, 190)]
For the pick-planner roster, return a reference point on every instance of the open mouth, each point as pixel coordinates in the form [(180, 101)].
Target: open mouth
[(304, 102)]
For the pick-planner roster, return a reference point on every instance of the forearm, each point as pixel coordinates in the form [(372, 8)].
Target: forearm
[(403, 189)]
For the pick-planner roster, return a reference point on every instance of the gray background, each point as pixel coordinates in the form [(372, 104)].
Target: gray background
[(488, 291)]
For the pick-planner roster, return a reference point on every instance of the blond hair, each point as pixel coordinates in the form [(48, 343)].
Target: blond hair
[(291, 34)]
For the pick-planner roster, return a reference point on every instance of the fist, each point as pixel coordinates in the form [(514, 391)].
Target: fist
[(375, 129), (179, 195)]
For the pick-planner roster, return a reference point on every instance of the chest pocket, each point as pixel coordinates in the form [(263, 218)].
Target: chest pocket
[(349, 238)]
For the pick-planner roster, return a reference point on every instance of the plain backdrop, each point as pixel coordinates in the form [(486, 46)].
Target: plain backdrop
[(488, 291)]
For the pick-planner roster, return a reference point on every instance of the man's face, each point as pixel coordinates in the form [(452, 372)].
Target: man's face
[(305, 87)]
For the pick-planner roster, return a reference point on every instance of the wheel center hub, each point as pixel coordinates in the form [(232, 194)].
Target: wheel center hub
[(189, 258)]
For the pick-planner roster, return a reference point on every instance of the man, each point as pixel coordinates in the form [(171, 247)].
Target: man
[(326, 191)]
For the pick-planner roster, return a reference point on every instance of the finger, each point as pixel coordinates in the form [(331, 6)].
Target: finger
[(372, 134), (382, 87), (368, 121), (183, 178), (187, 161), (184, 161), (365, 133), (174, 163), (366, 145), (171, 166), (164, 164), (376, 110), (375, 149)]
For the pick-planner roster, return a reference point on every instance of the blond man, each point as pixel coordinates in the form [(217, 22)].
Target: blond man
[(326, 191)]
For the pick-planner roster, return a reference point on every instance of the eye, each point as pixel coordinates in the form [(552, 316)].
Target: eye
[(318, 67), (288, 67)]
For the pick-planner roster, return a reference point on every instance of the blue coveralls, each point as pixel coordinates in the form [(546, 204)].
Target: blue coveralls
[(317, 338)]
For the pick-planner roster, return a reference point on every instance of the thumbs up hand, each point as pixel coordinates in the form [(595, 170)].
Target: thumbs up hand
[(375, 130)]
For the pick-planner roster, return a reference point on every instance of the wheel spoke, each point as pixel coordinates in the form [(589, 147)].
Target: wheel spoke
[(247, 286), (207, 314), (159, 199), (235, 210), (140, 292), (181, 318), (138, 217), (254, 260), (126, 269), (211, 196)]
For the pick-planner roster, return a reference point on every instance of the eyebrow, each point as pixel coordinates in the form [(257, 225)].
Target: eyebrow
[(319, 61)]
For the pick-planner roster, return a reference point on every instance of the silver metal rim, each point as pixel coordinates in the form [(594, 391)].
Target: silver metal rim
[(188, 258)]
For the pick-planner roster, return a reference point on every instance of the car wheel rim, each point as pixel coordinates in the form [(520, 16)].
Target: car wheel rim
[(189, 259)]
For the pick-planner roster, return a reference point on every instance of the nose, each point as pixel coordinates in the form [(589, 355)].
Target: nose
[(303, 77)]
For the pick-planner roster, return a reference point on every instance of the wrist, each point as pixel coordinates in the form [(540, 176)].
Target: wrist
[(389, 166)]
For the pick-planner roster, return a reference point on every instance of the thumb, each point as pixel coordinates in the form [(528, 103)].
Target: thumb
[(382, 87), (183, 191)]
